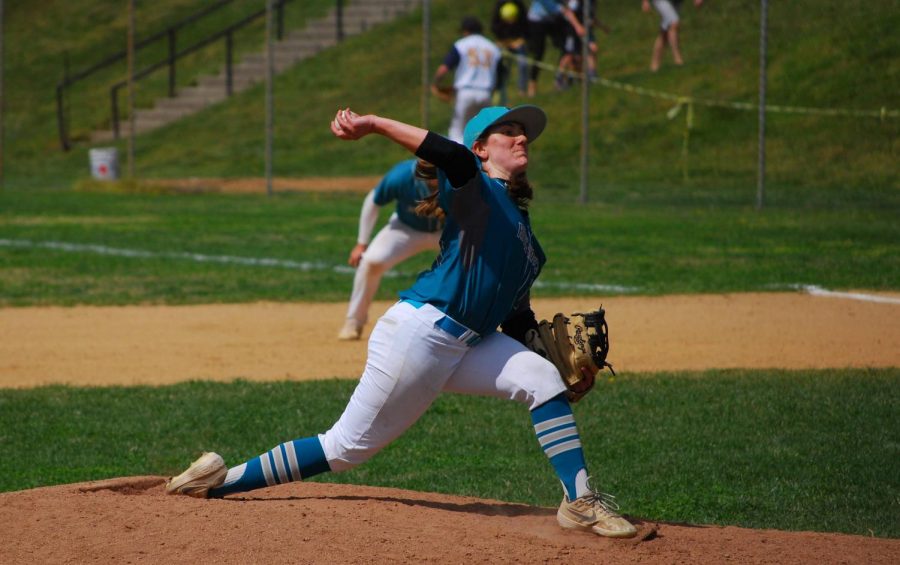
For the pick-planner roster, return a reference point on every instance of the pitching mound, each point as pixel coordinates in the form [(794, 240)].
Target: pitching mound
[(132, 520)]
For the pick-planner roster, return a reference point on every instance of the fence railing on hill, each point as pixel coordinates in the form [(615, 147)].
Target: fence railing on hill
[(169, 61)]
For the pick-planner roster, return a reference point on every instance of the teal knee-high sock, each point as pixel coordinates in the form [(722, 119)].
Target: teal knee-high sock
[(554, 424), (290, 461)]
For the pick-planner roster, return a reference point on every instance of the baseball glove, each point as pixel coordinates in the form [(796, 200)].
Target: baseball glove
[(444, 93), (578, 356)]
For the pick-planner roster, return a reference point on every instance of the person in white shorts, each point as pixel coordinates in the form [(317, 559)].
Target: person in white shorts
[(668, 30), (475, 61), (406, 234)]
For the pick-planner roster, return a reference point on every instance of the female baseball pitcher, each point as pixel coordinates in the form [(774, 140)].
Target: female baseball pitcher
[(442, 333)]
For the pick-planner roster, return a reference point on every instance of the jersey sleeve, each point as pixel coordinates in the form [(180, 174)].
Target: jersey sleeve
[(392, 184), (457, 162), (451, 59), (368, 217)]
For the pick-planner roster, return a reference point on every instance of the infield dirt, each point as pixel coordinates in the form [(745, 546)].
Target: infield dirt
[(131, 519)]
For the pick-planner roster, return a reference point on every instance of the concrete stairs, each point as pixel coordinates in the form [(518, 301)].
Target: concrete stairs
[(358, 17)]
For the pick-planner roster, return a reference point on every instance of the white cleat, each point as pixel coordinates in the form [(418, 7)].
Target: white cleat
[(205, 473), (594, 512), (351, 331)]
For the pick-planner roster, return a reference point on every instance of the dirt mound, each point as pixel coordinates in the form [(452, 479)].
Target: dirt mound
[(132, 520)]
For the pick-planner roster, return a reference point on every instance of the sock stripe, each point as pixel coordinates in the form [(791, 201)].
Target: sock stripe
[(293, 464), (546, 425), (563, 447), (552, 431), (267, 469), (555, 437), (279, 465), (234, 474)]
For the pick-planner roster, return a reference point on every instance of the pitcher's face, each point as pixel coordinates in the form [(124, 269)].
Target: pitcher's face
[(504, 149)]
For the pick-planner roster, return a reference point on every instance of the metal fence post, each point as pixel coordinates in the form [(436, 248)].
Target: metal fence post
[(270, 79), (3, 100), (585, 103), (426, 52), (339, 21), (114, 95), (60, 118), (172, 52), (229, 79), (280, 12), (132, 129), (763, 48)]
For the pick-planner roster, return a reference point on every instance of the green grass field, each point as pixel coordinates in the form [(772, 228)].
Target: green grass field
[(808, 450), (70, 248), (811, 450)]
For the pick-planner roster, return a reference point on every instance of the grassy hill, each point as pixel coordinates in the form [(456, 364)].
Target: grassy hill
[(46, 42), (823, 54)]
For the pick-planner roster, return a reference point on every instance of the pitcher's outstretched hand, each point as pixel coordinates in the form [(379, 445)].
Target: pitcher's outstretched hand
[(350, 126)]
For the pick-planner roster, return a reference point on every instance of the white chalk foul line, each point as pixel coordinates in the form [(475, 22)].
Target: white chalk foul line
[(197, 257), (819, 291), (590, 287), (260, 262)]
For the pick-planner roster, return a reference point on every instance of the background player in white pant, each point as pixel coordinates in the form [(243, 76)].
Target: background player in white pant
[(442, 334), (405, 234), (475, 61)]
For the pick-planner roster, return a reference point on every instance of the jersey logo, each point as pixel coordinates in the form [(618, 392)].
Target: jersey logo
[(479, 58), (533, 265)]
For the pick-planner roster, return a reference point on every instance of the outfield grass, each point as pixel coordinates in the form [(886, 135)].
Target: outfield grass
[(805, 450), (638, 250)]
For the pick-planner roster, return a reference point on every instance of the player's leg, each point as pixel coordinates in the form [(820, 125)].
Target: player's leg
[(395, 243), (521, 55), (563, 77), (502, 367), (408, 363), (658, 47), (458, 120), (668, 15), (472, 102), (287, 462), (672, 37), (537, 43), (593, 49)]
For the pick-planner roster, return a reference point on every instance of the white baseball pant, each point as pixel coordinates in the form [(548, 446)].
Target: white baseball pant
[(395, 243), (411, 361), (468, 102)]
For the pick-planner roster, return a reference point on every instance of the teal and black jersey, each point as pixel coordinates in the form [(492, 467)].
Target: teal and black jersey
[(489, 257), (401, 184)]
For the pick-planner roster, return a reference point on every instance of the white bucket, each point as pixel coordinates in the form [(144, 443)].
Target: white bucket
[(104, 163)]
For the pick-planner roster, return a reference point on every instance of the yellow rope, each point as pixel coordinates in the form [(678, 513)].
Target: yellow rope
[(881, 113)]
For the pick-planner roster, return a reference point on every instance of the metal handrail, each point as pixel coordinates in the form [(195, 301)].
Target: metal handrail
[(170, 60), (144, 43)]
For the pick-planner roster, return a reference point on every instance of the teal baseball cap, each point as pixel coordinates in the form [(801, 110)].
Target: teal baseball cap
[(532, 118)]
